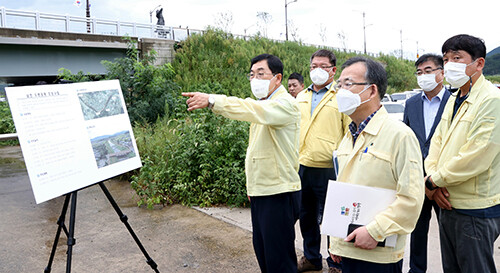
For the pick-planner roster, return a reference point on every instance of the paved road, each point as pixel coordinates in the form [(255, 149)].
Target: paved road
[(179, 239)]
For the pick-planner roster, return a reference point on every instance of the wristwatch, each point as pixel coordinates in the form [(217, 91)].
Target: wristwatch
[(211, 102), (429, 185)]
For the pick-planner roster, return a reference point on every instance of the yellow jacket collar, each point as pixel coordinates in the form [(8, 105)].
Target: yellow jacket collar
[(474, 92), (331, 89), (373, 127)]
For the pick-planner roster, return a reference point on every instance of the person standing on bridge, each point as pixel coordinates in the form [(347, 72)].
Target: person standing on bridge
[(271, 165)]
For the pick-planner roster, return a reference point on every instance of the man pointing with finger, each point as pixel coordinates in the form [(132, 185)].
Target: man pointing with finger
[(271, 164)]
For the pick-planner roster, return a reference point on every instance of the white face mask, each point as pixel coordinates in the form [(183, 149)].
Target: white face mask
[(427, 82), (260, 88), (348, 102), (455, 73), (319, 76)]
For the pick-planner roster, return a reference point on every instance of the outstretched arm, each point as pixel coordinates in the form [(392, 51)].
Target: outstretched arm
[(197, 100)]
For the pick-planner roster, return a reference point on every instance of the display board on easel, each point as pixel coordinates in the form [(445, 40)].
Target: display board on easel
[(72, 135)]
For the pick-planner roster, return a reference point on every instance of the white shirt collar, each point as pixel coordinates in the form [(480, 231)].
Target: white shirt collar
[(439, 95)]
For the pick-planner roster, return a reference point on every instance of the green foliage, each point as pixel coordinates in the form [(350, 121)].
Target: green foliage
[(219, 57), (492, 65), (197, 160), (6, 123), (149, 91), (65, 74), (400, 74), (494, 79)]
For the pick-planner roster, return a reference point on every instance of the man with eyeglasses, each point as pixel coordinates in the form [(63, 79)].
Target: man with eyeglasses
[(463, 165), (322, 127), (423, 113), (271, 165), (378, 152)]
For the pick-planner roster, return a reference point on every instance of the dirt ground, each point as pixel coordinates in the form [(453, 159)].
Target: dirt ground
[(178, 239)]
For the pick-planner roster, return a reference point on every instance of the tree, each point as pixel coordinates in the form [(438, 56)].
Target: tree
[(293, 30), (224, 21), (264, 20), (343, 40), (322, 33)]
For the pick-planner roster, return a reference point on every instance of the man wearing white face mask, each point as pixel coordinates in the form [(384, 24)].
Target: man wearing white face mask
[(463, 165), (423, 113), (378, 152), (271, 165), (322, 127)]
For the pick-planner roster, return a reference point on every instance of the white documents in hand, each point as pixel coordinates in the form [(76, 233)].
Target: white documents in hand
[(354, 204)]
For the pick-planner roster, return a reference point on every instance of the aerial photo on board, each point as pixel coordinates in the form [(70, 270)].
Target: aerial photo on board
[(110, 149), (100, 104)]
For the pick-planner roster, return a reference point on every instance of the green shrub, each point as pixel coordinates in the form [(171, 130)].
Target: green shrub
[(400, 74), (149, 91), (218, 57), (198, 160), (6, 123)]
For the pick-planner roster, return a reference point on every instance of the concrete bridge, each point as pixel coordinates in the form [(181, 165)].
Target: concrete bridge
[(33, 55), (34, 46)]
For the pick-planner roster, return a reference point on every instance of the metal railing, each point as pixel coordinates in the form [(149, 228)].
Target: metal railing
[(35, 20)]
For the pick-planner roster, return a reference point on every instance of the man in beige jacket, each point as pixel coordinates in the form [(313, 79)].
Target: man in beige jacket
[(379, 152), (322, 127), (271, 163), (464, 161)]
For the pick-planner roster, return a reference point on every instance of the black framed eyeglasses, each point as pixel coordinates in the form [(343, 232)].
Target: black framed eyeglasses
[(426, 71), (258, 75), (348, 85)]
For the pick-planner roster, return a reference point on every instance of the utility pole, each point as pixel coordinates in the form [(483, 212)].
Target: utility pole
[(151, 14), (286, 17), (364, 31), (418, 55), (88, 17), (401, 35)]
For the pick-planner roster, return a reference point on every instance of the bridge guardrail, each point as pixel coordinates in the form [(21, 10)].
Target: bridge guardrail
[(66, 23), (35, 20)]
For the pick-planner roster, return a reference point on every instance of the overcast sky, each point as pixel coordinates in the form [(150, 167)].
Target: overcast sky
[(427, 23)]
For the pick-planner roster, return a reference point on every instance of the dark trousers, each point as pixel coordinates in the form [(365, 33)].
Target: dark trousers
[(418, 244), (314, 187), (273, 220), (467, 242), (358, 266)]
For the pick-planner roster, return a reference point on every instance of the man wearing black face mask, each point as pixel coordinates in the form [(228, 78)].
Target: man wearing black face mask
[(463, 165)]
